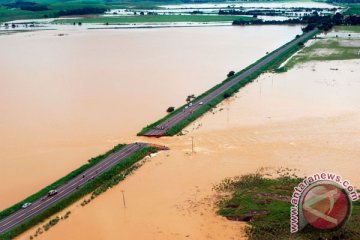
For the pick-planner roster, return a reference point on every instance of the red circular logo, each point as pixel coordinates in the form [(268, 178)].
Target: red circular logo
[(326, 206)]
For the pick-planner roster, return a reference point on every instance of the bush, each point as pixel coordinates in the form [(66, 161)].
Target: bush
[(230, 74), (170, 109)]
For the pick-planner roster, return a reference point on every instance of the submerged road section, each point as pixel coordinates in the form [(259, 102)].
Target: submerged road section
[(70, 187), (160, 129)]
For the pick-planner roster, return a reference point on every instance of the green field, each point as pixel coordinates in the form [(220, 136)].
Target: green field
[(350, 29), (336, 48), (154, 19), (8, 13), (353, 9), (263, 202)]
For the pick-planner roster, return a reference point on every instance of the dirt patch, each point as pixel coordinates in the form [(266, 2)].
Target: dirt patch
[(350, 43), (247, 217)]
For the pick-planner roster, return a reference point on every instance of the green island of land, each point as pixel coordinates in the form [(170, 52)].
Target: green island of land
[(264, 202)]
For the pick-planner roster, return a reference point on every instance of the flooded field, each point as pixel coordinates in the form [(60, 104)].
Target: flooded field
[(304, 119), (68, 95), (272, 5)]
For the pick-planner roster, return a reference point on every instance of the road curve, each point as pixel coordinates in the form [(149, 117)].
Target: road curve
[(160, 129), (70, 187)]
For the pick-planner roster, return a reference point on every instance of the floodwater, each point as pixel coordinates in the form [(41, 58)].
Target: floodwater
[(305, 119), (271, 5), (68, 95)]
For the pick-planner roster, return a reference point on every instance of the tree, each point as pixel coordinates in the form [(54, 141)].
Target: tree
[(230, 74), (170, 109), (227, 95)]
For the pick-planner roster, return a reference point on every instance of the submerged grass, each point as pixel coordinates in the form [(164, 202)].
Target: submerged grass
[(107, 179), (265, 204)]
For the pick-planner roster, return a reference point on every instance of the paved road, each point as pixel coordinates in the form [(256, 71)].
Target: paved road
[(161, 128), (69, 187)]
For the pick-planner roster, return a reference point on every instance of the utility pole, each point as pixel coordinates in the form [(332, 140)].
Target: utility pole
[(192, 144), (228, 119), (123, 198)]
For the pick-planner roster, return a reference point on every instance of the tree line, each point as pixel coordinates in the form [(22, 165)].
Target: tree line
[(313, 21)]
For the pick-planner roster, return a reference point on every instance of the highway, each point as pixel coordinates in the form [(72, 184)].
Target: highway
[(70, 187), (160, 129)]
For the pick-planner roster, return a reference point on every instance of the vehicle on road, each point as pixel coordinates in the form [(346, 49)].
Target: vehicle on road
[(186, 107), (190, 104), (201, 103), (52, 193), (26, 205)]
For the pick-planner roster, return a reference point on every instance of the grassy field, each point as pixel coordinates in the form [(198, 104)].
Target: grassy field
[(265, 201), (8, 13), (340, 48), (353, 9), (350, 29), (155, 19)]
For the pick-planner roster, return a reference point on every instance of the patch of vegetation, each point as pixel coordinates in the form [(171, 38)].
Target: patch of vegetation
[(170, 109), (353, 9), (59, 182), (155, 19), (98, 182), (350, 29), (325, 50), (264, 203), (34, 9), (312, 21)]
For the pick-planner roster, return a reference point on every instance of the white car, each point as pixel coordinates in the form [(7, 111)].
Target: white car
[(201, 103), (52, 193), (26, 205), (190, 104), (186, 107)]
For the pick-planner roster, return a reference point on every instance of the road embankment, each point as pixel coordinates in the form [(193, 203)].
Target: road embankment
[(88, 178), (174, 122)]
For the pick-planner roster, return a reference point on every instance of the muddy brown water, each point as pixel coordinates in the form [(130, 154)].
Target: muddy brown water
[(64, 99)]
